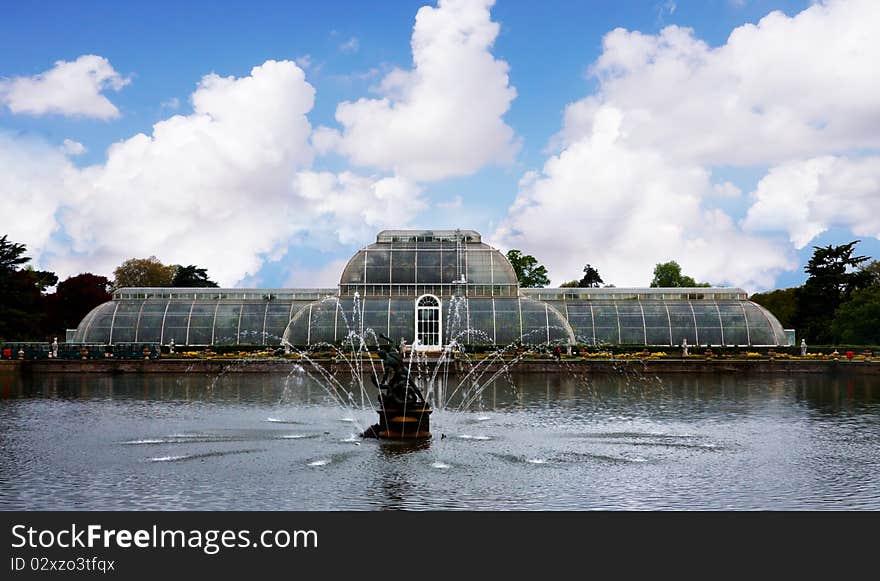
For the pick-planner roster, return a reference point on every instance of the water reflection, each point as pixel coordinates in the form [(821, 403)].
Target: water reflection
[(551, 441)]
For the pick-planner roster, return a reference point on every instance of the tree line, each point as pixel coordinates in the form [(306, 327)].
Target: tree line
[(531, 274), (31, 311), (839, 303)]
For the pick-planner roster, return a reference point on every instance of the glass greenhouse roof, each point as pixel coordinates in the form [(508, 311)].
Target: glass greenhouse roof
[(477, 300), (444, 260)]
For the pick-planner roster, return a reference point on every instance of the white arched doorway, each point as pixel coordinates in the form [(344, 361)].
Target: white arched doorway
[(429, 323)]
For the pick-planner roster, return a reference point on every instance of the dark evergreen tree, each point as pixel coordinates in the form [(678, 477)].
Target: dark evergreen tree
[(834, 276), (191, 276), (591, 278)]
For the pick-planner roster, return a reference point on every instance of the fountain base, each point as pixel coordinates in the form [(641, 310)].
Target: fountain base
[(404, 423)]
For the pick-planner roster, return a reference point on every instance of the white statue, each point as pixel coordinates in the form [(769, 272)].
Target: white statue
[(803, 347), (684, 347)]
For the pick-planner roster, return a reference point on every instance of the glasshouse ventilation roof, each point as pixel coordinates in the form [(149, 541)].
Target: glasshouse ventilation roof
[(431, 287)]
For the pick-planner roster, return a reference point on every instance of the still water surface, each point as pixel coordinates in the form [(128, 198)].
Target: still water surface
[(536, 442)]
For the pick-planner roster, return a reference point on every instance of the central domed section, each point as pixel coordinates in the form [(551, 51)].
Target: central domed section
[(437, 262)]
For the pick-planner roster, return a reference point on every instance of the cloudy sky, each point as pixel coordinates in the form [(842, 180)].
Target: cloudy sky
[(267, 141)]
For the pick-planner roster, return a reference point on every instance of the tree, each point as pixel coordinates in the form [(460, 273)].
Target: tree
[(782, 303), (857, 321), (834, 276), (73, 299), (136, 272), (872, 273), (22, 300), (591, 278), (529, 273), (668, 274), (570, 284), (11, 255), (191, 276)]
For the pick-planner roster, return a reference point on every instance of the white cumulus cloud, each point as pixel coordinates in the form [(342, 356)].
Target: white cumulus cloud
[(227, 187), (628, 185), (443, 117), (624, 210), (71, 88), (805, 198)]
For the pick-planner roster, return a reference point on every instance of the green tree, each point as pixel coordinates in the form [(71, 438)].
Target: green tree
[(668, 274), (591, 278), (138, 272), (22, 299), (781, 302), (834, 275), (857, 321), (529, 273), (11, 255), (570, 284), (191, 276), (872, 273)]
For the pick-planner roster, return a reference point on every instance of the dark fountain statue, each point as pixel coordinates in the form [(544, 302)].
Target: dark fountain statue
[(403, 411)]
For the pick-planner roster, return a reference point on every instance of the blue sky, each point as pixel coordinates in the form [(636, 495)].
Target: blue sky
[(535, 178)]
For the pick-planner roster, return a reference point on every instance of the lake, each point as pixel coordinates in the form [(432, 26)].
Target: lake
[(267, 441)]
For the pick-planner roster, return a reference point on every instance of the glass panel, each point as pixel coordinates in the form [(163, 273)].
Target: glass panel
[(558, 325), (632, 327), (201, 322), (481, 322), (298, 330), (534, 318), (375, 313), (226, 324), (656, 323), (682, 322), (176, 320), (581, 319), (449, 268), (377, 266), (99, 329), (403, 267), (734, 322), (354, 271), (429, 267), (478, 267), (276, 321), (503, 271), (455, 319), (150, 328), (606, 324), (324, 319), (402, 320), (759, 328), (251, 329), (507, 329), (708, 323), (125, 323)]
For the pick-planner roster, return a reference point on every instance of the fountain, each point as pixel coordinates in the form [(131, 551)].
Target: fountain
[(403, 411)]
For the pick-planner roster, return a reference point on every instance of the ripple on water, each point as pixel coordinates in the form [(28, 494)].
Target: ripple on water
[(182, 457), (440, 465), (319, 462), (472, 437)]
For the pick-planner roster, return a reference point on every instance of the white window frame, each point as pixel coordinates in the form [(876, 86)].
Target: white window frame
[(439, 309)]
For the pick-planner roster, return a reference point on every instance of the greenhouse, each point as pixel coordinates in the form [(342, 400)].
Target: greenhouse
[(430, 288)]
